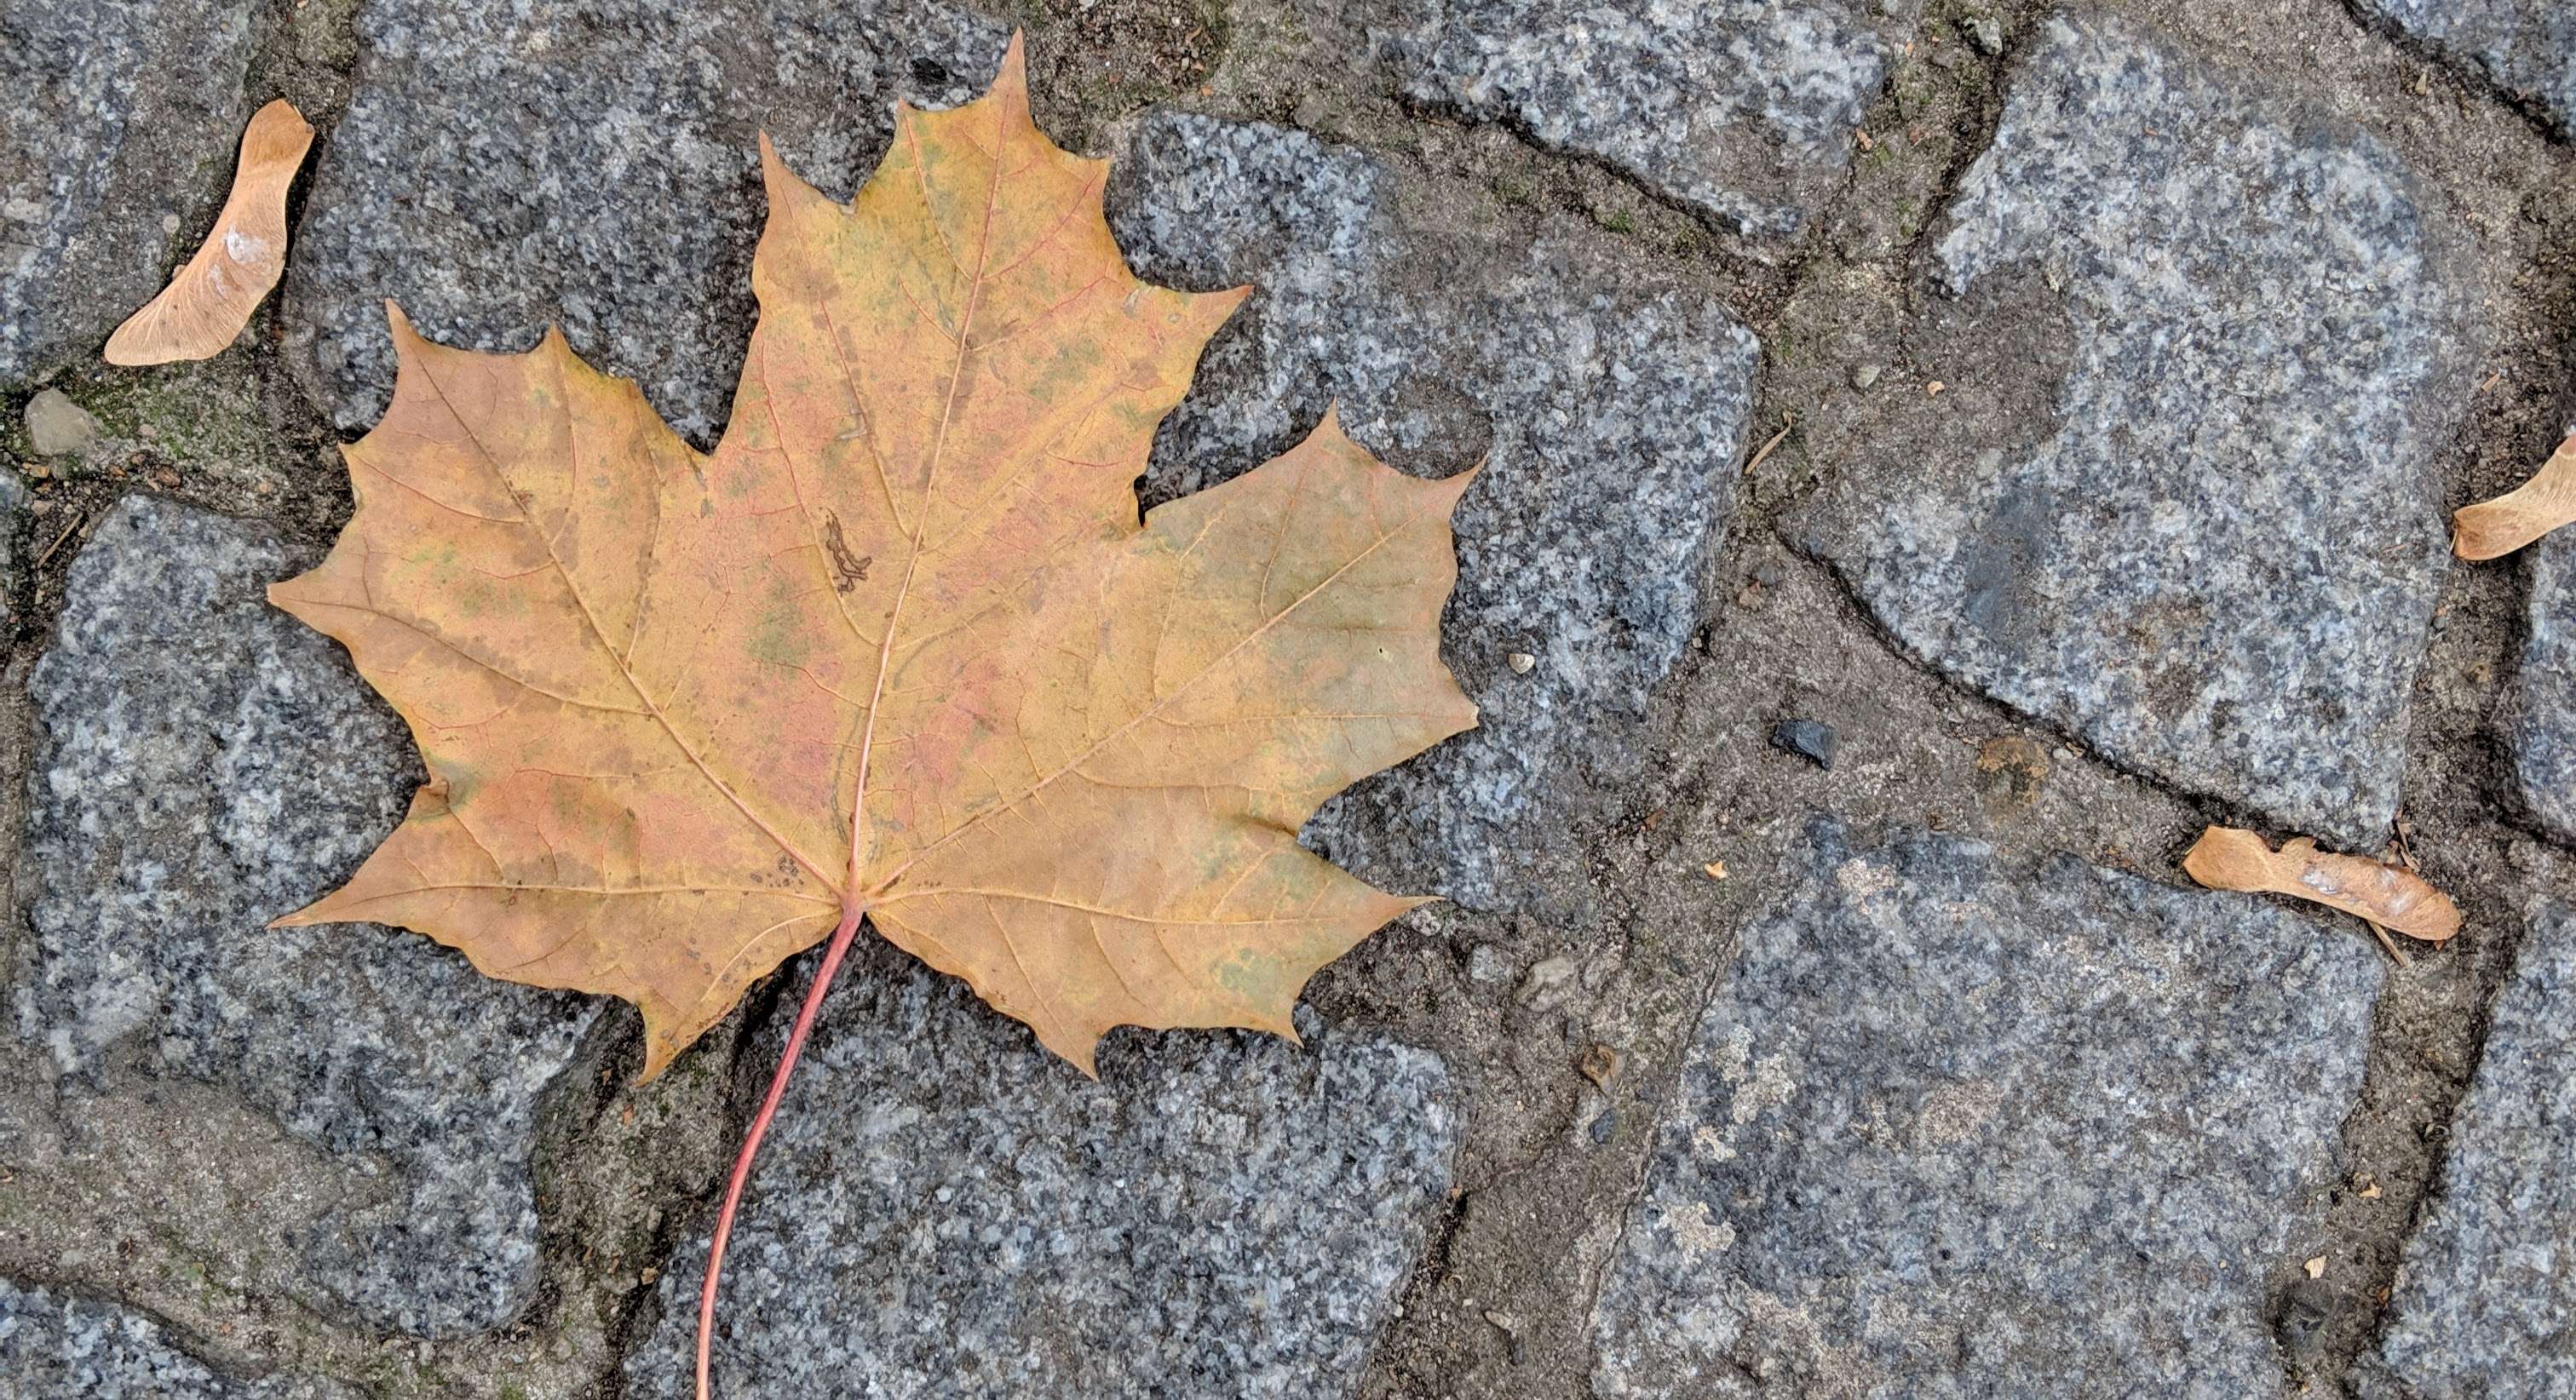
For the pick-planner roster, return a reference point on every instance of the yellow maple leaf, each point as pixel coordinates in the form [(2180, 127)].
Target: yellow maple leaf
[(898, 649)]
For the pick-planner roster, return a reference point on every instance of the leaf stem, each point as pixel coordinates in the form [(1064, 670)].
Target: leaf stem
[(760, 1128)]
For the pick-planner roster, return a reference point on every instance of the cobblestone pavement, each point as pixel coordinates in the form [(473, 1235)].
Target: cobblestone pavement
[(2057, 408)]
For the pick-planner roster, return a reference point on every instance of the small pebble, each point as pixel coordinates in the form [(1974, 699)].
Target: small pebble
[(1604, 1126), (1546, 978), (1805, 737), (1862, 376), (58, 427), (1521, 662), (1987, 35)]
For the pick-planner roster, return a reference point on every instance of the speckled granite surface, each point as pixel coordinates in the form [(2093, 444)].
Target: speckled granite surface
[(2488, 1287), (204, 764), (1970, 1125), (2062, 313), (947, 1210), (2215, 556), (1604, 408), (105, 165)]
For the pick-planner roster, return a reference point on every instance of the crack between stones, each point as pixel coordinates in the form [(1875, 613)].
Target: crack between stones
[(1429, 113), (1858, 610), (745, 1079), (2468, 74)]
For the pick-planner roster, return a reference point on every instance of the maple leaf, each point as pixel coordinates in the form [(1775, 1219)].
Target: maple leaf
[(899, 647), (899, 650)]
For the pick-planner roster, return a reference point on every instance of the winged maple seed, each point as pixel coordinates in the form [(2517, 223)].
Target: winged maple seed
[(210, 299), (898, 649), (2493, 528), (2231, 858)]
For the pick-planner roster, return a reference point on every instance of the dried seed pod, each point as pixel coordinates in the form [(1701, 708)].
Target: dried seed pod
[(211, 299), (2227, 858), (2490, 529)]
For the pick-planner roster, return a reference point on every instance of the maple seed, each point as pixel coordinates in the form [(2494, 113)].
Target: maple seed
[(2228, 858), (210, 300), (2498, 527), (898, 652)]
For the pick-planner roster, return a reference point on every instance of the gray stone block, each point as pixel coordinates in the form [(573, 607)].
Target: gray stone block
[(1740, 109), (2540, 724), (944, 1209), (502, 166), (1961, 1124), (1609, 412), (203, 764), (2486, 1294), (57, 1347), (2526, 48), (2212, 552), (121, 124)]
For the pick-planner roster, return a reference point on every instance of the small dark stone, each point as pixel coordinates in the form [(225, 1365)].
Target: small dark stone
[(1809, 737), (1604, 1126)]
